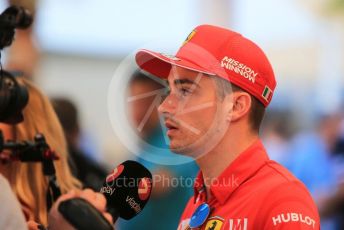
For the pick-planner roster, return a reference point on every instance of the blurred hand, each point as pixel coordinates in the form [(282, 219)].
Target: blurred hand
[(57, 222), (32, 225)]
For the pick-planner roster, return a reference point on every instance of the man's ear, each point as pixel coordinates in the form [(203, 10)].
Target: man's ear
[(238, 105)]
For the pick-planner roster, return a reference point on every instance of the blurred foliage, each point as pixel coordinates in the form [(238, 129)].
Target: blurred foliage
[(325, 8), (337, 6)]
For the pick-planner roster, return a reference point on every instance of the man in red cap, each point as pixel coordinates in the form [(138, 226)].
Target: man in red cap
[(220, 84)]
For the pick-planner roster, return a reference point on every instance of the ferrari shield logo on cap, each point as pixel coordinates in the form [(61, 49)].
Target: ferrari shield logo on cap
[(189, 37)]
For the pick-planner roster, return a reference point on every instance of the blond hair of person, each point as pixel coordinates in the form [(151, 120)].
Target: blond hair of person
[(27, 179)]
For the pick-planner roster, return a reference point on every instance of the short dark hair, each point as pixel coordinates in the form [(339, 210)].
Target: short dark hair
[(141, 77), (257, 109)]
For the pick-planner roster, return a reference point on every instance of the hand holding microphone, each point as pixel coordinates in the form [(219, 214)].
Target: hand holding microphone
[(81, 204), (127, 190)]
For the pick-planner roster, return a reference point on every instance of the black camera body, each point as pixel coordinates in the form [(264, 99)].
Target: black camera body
[(14, 17), (13, 96)]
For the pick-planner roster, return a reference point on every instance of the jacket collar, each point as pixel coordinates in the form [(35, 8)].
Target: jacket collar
[(239, 171)]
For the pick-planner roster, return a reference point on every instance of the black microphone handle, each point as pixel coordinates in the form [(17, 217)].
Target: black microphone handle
[(113, 212), (82, 215)]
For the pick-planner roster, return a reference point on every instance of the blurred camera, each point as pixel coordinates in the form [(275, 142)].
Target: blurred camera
[(13, 98), (14, 17), (13, 95)]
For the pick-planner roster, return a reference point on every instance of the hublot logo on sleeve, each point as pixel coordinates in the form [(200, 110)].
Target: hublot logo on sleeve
[(293, 217)]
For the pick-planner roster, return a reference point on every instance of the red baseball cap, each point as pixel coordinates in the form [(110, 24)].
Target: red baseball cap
[(219, 52)]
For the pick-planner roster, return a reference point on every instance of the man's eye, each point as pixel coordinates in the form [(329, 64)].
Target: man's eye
[(185, 91)]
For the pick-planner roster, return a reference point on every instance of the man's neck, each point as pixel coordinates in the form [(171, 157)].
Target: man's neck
[(216, 161)]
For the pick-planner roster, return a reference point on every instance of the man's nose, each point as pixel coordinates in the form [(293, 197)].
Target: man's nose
[(168, 105)]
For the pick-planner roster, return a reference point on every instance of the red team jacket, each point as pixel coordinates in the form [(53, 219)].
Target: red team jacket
[(254, 192)]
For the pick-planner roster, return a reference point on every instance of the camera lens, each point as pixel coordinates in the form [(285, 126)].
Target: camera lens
[(13, 98)]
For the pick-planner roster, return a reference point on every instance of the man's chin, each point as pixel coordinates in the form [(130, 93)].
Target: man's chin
[(178, 149), (183, 150)]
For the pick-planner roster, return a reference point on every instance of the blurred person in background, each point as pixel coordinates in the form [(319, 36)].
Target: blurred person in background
[(278, 129), (88, 171), (338, 149), (311, 151), (334, 205), (27, 179), (167, 201), (308, 155), (12, 217)]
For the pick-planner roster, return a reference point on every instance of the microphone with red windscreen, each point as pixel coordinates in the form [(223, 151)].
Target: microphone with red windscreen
[(127, 189)]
